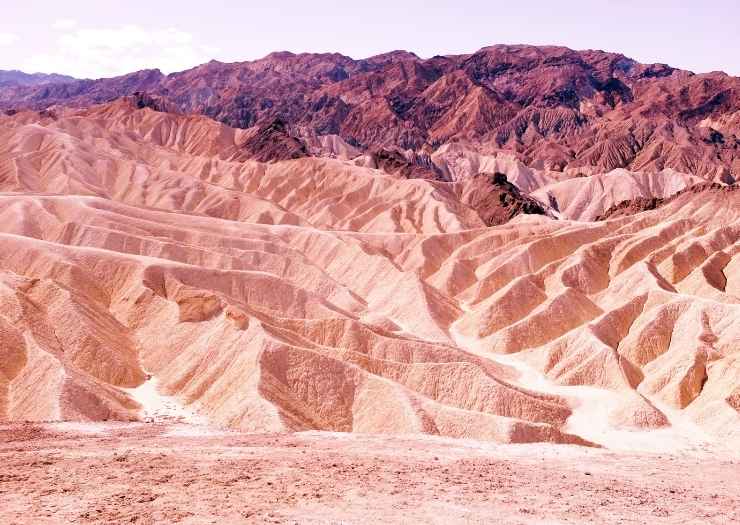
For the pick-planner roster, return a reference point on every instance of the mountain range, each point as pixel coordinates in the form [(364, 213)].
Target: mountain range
[(552, 108), (19, 78)]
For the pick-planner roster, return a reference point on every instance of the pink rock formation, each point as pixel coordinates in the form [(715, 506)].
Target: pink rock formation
[(318, 294)]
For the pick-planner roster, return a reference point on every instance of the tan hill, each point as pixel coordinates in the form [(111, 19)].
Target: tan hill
[(315, 294), (586, 198), (639, 204)]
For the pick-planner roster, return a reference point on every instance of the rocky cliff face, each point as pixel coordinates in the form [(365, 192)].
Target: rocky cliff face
[(554, 108), (497, 200), (273, 142)]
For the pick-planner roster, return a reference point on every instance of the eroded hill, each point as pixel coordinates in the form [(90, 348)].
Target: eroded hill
[(314, 293)]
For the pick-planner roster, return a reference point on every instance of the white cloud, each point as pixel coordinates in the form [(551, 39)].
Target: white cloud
[(64, 23), (106, 52), (7, 39)]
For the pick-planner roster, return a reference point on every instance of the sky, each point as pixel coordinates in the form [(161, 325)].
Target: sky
[(103, 38)]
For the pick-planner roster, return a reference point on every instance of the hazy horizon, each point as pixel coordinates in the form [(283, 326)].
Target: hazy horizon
[(101, 39)]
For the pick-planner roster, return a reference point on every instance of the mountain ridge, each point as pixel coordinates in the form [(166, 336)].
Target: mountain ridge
[(15, 77), (550, 106)]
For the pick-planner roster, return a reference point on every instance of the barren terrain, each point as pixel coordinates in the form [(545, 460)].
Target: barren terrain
[(199, 322), (313, 294), (582, 112), (138, 473)]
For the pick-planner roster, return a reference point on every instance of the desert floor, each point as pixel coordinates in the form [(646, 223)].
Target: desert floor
[(164, 473)]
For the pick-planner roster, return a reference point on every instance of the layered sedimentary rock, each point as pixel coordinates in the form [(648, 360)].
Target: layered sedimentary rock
[(552, 107), (318, 294)]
